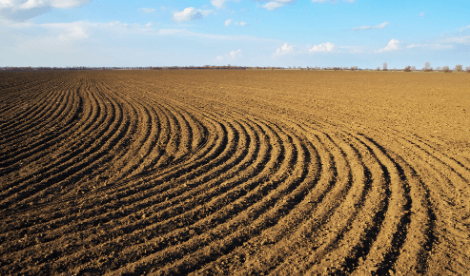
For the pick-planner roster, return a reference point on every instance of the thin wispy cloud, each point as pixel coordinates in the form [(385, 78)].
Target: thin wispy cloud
[(456, 40), (227, 22), (413, 46), (148, 10), (464, 28), (392, 45), (376, 27), (421, 14)]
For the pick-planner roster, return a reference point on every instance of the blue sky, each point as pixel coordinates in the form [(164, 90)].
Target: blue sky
[(324, 33)]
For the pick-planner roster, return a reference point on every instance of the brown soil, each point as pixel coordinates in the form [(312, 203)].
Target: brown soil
[(234, 172)]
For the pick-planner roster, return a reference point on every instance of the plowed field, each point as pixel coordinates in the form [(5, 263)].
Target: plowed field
[(234, 172)]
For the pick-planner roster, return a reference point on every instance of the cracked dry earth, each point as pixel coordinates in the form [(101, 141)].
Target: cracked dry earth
[(234, 172)]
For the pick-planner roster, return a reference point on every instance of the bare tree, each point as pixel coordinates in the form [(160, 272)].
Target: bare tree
[(385, 66), (446, 69), (407, 69), (438, 68), (353, 68), (458, 68), (427, 66), (378, 69), (467, 69), (413, 68)]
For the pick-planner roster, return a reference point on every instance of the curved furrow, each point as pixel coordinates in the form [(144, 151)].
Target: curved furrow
[(453, 173), (43, 136), (162, 173), (104, 215), (131, 225), (15, 96), (333, 213), (34, 109), (277, 227), (363, 235), (112, 132), (12, 100), (449, 209), (267, 203)]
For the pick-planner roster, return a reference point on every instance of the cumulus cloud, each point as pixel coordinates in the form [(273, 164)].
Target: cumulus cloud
[(274, 4), (148, 10), (285, 49), (20, 10), (376, 27), (190, 14), (148, 25), (421, 14), (241, 23), (323, 47), (391, 46), (235, 54), (232, 55), (228, 21)]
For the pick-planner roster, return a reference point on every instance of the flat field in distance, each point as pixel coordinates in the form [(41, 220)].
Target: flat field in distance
[(234, 172)]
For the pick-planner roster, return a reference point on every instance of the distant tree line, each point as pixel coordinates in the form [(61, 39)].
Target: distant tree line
[(427, 68)]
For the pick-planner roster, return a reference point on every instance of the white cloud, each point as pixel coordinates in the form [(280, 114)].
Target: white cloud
[(464, 28), (457, 40), (241, 23), (228, 21), (235, 54), (285, 49), (148, 10), (391, 46), (148, 25), (324, 47), (32, 4), (413, 46), (115, 23), (274, 4), (334, 1), (421, 14), (376, 27), (190, 14), (61, 37), (232, 55), (21, 10), (218, 3)]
